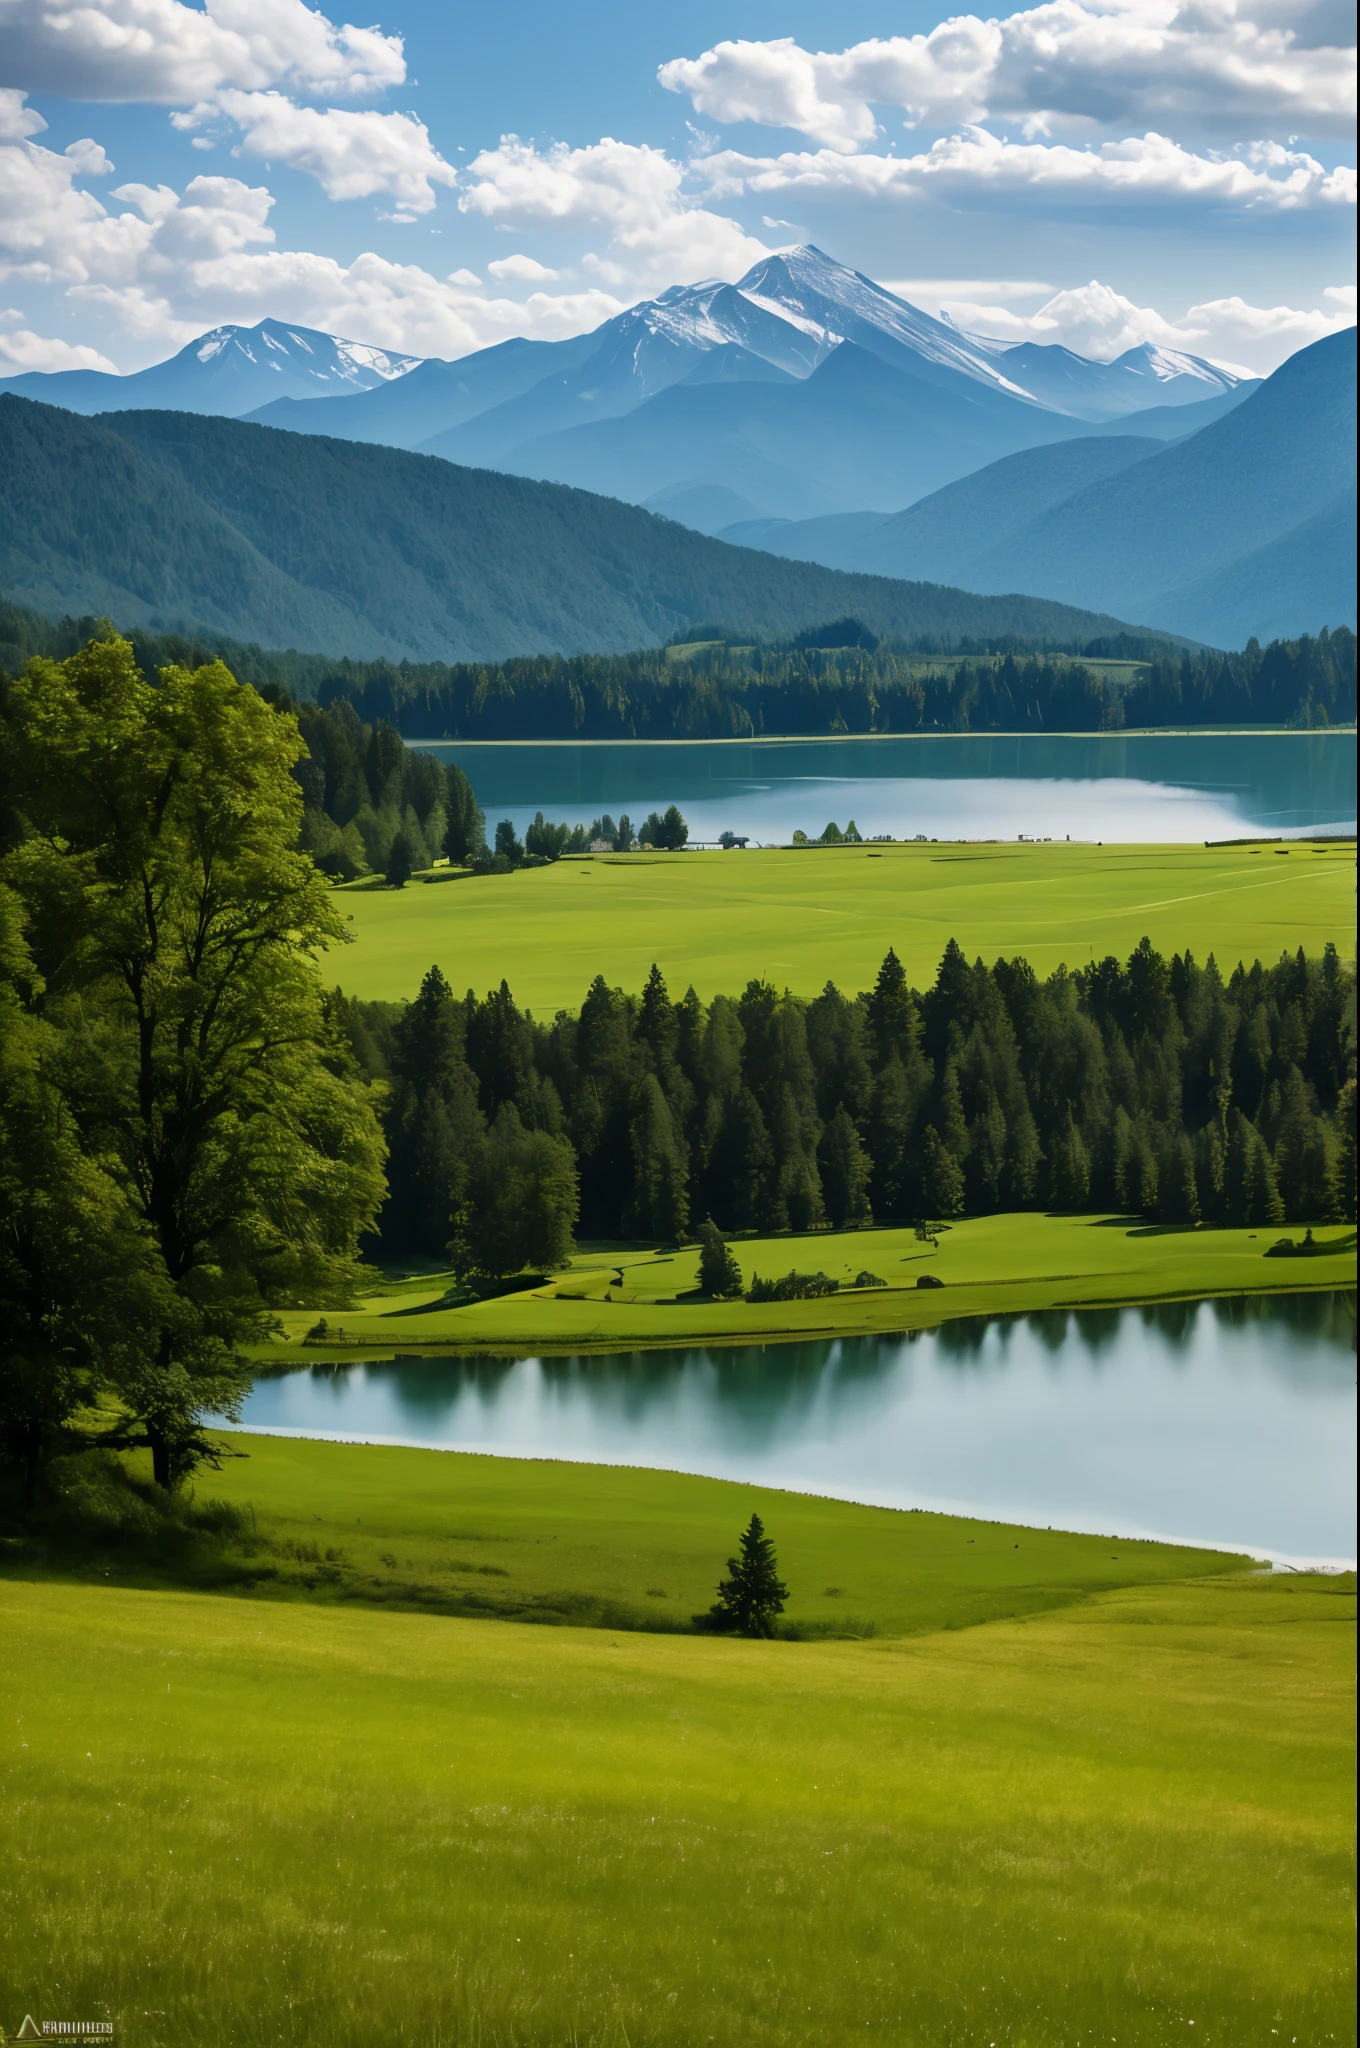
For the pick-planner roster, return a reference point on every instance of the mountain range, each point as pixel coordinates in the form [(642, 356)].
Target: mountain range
[(1245, 527), (230, 371), (803, 389), (804, 412), (177, 520)]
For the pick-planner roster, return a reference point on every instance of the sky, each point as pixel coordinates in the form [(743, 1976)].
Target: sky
[(1092, 172)]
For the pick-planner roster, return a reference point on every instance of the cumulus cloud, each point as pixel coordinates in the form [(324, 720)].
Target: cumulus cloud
[(978, 168), (1097, 321), (352, 155), (520, 270), (22, 349), (1212, 67), (656, 235), (162, 266), (170, 54), (18, 121)]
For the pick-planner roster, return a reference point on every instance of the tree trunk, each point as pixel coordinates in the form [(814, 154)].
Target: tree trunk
[(161, 1470)]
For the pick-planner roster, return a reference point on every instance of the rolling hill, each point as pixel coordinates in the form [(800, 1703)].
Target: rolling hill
[(163, 519)]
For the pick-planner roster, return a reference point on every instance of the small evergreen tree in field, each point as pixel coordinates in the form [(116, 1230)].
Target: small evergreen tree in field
[(753, 1593), (719, 1273), (400, 862)]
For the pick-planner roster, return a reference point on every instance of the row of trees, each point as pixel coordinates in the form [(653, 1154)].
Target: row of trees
[(722, 691), (836, 679), (1153, 1086)]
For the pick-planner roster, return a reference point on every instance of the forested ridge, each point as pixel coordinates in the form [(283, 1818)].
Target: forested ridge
[(1155, 1087), (169, 520), (726, 689)]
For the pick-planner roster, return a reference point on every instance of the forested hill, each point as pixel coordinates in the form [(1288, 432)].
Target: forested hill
[(170, 520)]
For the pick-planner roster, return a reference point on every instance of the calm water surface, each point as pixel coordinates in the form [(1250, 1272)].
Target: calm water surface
[(1209, 1422), (1165, 787)]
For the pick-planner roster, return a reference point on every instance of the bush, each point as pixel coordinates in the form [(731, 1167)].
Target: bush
[(793, 1287), (867, 1280)]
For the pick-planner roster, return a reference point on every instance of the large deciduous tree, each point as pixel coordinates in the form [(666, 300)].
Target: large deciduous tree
[(175, 926)]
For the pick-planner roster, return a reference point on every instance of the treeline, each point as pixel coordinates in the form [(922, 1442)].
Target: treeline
[(727, 690), (730, 692), (1154, 1087)]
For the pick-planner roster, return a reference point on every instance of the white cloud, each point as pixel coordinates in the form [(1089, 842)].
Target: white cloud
[(16, 120), (1097, 321), (22, 349), (656, 236), (1214, 67), (171, 54), (352, 155), (519, 270), (975, 167)]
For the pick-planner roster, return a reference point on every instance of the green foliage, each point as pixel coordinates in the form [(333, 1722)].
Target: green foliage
[(400, 862), (1152, 1087), (752, 1595), (719, 1273), (793, 1287), (188, 1060)]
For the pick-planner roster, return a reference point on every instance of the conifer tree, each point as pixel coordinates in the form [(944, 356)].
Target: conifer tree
[(752, 1594), (400, 862), (719, 1273), (893, 1020)]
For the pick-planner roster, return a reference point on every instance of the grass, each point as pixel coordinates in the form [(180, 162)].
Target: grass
[(234, 1824), (716, 919), (535, 1540), (989, 1265)]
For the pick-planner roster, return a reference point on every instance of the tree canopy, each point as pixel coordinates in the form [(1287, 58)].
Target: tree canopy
[(188, 1059)]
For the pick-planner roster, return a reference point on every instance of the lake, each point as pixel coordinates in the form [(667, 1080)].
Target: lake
[(1224, 1423), (1138, 788)]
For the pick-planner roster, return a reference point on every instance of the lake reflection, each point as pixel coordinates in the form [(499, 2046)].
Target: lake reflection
[(1158, 787), (1229, 1422)]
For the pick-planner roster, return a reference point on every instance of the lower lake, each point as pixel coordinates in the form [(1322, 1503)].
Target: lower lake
[(1117, 786), (1227, 1423)]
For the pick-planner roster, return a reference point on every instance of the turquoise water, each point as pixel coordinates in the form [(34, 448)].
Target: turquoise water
[(1158, 787), (1228, 1422)]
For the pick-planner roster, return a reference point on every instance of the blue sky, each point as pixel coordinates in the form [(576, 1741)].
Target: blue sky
[(1089, 171)]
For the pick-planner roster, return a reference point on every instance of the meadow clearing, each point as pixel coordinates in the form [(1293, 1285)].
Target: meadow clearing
[(614, 1297), (802, 918), (239, 1823)]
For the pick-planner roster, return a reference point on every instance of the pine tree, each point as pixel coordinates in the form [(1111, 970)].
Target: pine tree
[(400, 862), (719, 1273), (893, 1021), (752, 1593), (846, 1171)]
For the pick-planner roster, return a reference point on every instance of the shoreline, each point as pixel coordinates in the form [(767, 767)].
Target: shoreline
[(1287, 1561), (792, 739)]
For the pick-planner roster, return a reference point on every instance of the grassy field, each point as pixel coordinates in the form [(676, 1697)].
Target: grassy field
[(716, 919), (235, 1823), (611, 1299), (595, 1545)]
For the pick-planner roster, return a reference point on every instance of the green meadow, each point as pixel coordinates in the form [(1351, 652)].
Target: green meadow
[(236, 1822), (616, 1298), (801, 918)]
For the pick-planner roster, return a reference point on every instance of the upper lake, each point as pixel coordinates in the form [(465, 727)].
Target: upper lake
[(1166, 787)]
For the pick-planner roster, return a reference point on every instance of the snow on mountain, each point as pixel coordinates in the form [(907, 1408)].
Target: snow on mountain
[(231, 370)]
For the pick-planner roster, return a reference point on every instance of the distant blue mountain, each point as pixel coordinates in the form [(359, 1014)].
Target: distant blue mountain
[(1243, 527), (229, 372)]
